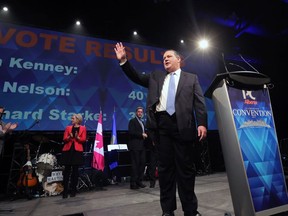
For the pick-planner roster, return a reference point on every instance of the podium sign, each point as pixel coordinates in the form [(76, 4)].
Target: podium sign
[(117, 147), (249, 144)]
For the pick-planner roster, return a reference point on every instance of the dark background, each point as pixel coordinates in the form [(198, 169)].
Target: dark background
[(257, 29), (254, 28)]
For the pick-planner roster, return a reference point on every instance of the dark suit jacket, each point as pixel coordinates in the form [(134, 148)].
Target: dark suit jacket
[(189, 103), (136, 141)]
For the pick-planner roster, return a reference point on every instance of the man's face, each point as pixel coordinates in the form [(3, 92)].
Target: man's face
[(170, 61), (1, 110), (139, 113)]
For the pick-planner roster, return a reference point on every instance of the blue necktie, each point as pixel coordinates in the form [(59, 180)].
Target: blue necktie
[(170, 106)]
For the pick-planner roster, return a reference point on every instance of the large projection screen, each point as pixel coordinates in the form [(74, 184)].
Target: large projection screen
[(47, 75)]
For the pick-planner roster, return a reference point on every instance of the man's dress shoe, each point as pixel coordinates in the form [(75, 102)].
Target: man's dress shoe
[(141, 185), (134, 187), (168, 214), (152, 184), (189, 214)]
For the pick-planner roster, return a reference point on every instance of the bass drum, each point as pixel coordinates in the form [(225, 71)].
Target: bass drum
[(52, 184), (44, 165)]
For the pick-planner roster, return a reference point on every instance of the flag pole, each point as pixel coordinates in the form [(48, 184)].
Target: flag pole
[(113, 163)]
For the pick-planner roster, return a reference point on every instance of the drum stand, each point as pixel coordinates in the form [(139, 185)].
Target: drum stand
[(81, 184), (37, 153), (84, 181)]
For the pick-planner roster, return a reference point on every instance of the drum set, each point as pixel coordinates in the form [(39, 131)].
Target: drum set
[(49, 173)]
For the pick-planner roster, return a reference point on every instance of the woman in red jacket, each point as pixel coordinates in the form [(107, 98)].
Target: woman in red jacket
[(72, 154)]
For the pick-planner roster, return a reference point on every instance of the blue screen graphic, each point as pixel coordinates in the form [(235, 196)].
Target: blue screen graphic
[(46, 76)]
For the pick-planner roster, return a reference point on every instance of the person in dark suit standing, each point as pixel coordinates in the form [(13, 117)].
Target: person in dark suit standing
[(175, 127), (72, 154), (137, 136)]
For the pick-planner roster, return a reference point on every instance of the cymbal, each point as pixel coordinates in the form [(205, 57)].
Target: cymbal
[(40, 138)]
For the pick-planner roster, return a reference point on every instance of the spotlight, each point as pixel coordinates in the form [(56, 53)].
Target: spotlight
[(203, 44), (5, 9)]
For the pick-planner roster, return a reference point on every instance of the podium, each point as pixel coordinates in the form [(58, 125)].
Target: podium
[(119, 160), (249, 143)]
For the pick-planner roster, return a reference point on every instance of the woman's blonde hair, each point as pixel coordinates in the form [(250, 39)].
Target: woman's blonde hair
[(79, 117)]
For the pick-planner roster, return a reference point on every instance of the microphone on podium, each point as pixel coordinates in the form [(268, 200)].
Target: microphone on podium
[(224, 63), (230, 63), (248, 63)]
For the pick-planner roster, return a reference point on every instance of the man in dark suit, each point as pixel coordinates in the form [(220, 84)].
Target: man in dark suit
[(174, 133), (137, 136)]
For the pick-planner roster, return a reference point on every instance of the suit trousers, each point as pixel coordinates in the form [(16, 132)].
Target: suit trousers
[(176, 166), (138, 160), (70, 175)]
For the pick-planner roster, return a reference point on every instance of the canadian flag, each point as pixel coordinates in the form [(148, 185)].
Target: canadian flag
[(98, 155)]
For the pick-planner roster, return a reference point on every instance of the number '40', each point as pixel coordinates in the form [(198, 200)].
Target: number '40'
[(136, 95)]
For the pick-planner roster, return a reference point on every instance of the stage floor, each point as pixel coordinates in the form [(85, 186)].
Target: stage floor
[(118, 199)]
